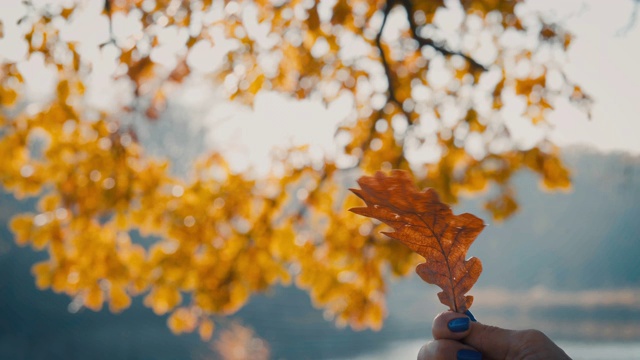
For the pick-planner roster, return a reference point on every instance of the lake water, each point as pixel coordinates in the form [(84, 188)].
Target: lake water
[(576, 350)]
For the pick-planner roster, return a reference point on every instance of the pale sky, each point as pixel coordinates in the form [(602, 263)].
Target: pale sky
[(603, 59)]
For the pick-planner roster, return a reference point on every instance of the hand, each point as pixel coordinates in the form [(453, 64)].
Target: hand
[(457, 337)]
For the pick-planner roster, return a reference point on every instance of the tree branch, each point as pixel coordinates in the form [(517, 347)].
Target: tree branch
[(107, 9), (385, 62), (408, 6), (632, 20)]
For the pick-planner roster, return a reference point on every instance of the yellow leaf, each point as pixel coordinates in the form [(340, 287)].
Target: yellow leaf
[(162, 299), (94, 298), (256, 84), (66, 12), (21, 226), (42, 273), (59, 280), (118, 298), (375, 316), (182, 320), (313, 22), (341, 13), (49, 202), (63, 90), (237, 297), (206, 329), (121, 221), (502, 207), (8, 96)]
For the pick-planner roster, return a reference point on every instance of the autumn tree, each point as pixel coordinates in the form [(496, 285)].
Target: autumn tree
[(431, 83)]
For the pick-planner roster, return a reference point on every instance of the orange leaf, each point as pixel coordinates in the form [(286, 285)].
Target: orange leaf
[(428, 227)]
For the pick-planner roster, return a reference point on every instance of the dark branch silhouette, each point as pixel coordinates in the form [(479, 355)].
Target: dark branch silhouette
[(385, 62), (408, 6), (632, 20)]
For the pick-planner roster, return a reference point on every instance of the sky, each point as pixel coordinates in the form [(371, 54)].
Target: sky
[(603, 59)]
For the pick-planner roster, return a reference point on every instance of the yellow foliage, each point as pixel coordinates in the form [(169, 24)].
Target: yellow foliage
[(162, 299), (224, 235)]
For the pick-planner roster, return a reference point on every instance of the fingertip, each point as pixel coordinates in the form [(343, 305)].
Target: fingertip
[(448, 349), (423, 353), (470, 315), (450, 325), (459, 324), (467, 354)]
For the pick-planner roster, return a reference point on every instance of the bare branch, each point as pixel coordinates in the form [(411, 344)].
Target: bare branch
[(385, 62), (408, 6), (632, 20)]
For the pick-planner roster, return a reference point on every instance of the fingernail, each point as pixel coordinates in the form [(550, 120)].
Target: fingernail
[(459, 324), (470, 315), (466, 354)]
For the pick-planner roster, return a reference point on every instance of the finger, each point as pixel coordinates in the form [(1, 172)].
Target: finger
[(470, 315), (447, 350), (451, 325), (493, 342)]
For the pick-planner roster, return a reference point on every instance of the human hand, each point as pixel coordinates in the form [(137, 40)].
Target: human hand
[(457, 337)]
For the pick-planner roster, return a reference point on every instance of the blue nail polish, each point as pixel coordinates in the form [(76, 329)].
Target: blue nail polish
[(470, 315), (459, 324), (465, 354)]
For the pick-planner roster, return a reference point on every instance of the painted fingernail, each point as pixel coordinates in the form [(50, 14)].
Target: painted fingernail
[(459, 324), (466, 354), (470, 315)]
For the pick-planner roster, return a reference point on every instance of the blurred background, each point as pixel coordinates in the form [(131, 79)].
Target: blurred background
[(173, 174)]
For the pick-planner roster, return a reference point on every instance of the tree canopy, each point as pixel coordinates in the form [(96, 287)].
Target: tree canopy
[(434, 85)]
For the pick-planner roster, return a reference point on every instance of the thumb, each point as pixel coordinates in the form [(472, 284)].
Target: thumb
[(492, 341)]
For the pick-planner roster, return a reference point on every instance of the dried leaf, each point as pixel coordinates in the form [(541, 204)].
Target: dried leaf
[(428, 227)]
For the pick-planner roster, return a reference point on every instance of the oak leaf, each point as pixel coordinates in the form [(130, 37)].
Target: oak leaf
[(428, 227)]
